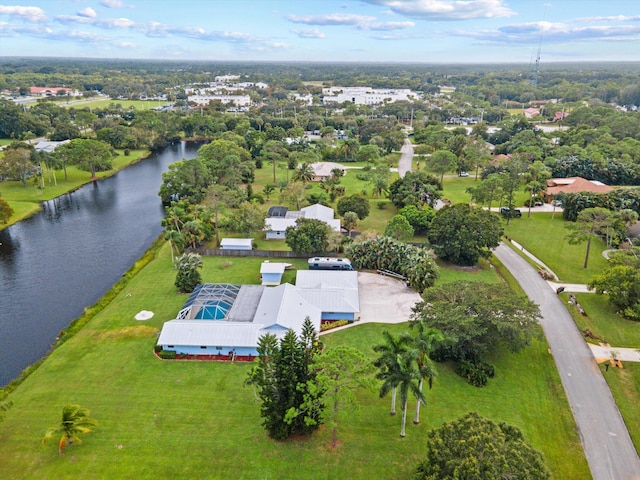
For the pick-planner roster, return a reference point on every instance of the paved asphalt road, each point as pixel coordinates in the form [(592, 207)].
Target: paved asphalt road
[(605, 438), (406, 156)]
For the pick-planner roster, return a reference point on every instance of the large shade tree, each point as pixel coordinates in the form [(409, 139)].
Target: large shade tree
[(463, 234), (16, 163), (475, 447), (476, 319), (5, 211), (89, 155), (309, 235), (620, 280)]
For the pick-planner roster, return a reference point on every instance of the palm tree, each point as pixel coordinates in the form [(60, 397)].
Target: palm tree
[(423, 344), (304, 173), (176, 240), (387, 362), (407, 378), (75, 420)]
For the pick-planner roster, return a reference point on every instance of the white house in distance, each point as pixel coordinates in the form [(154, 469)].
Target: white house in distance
[(275, 227), (367, 95), (225, 322)]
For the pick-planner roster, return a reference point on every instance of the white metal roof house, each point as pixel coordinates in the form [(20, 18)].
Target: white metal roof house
[(275, 227), (221, 333), (335, 293)]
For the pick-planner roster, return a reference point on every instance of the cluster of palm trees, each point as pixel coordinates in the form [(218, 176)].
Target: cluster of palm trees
[(404, 363)]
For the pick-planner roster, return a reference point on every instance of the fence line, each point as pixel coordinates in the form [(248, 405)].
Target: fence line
[(218, 252)]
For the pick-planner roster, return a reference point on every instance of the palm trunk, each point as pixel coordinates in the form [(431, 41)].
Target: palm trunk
[(334, 441), (416, 419), (586, 258), (404, 419), (393, 402)]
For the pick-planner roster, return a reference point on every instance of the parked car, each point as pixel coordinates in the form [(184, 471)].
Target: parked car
[(510, 212), (463, 174), (557, 203)]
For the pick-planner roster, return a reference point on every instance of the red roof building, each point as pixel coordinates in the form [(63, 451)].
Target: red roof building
[(556, 186), (49, 91)]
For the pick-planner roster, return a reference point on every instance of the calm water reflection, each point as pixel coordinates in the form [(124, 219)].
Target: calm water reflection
[(64, 259)]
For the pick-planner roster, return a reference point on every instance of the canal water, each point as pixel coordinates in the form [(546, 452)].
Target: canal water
[(63, 259)]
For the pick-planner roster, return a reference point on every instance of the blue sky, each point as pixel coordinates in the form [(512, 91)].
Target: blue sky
[(438, 31)]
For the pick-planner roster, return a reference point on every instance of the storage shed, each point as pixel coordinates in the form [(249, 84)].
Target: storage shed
[(271, 272), (236, 244)]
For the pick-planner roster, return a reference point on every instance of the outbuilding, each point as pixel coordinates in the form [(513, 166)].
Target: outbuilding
[(236, 244), (271, 272)]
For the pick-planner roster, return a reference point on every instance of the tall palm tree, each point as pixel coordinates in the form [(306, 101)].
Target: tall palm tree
[(176, 240), (422, 345), (387, 362), (408, 378), (75, 421), (304, 173)]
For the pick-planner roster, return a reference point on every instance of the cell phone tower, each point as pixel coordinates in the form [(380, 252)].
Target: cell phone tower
[(536, 64)]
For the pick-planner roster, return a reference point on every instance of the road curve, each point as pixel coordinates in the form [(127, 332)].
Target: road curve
[(406, 157), (605, 438)]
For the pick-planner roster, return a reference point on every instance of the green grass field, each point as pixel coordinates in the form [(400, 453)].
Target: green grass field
[(123, 104), (197, 420)]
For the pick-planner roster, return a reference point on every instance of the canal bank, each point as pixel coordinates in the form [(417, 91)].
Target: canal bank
[(55, 264)]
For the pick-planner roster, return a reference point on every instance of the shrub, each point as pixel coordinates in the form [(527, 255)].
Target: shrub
[(328, 326), (157, 348), (477, 373), (167, 355), (127, 152)]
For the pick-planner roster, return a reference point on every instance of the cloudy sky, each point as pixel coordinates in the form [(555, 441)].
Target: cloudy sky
[(441, 31)]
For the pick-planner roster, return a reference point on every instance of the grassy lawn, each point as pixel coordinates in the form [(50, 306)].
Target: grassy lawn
[(124, 104), (603, 322), (625, 387), (25, 201), (154, 414), (545, 237)]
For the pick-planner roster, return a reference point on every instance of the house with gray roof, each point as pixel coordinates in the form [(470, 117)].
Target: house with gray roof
[(225, 322), (276, 227)]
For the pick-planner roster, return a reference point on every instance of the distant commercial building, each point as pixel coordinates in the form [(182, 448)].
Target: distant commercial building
[(367, 95)]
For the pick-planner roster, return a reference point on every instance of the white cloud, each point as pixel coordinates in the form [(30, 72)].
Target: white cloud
[(87, 12), (28, 14), (616, 18), (332, 19), (309, 33), (125, 44), (114, 4), (447, 9), (386, 26), (108, 23), (553, 32)]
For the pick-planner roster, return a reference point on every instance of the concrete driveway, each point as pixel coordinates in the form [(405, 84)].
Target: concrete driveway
[(384, 299)]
